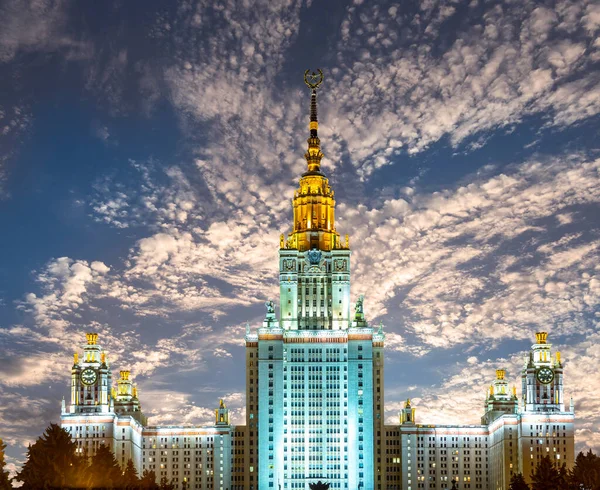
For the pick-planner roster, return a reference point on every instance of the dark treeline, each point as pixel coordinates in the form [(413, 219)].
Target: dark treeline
[(585, 475), (52, 463)]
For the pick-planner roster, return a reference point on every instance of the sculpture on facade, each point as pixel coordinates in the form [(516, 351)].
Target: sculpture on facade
[(358, 308), (270, 307)]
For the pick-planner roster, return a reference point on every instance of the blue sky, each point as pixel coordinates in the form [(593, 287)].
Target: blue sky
[(149, 153)]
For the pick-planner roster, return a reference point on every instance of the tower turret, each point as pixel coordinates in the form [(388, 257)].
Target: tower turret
[(222, 414), (127, 401), (91, 379), (407, 415), (499, 399), (542, 378)]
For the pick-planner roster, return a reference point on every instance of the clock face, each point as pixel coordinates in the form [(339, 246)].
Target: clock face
[(545, 375), (88, 376)]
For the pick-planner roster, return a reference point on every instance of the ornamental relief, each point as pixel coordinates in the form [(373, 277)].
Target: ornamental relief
[(289, 265), (339, 265)]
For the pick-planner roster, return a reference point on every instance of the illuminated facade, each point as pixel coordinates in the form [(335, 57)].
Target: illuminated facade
[(316, 374), (191, 457), (511, 438), (314, 381)]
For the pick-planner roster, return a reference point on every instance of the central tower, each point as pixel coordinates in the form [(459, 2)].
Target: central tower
[(314, 265), (317, 371)]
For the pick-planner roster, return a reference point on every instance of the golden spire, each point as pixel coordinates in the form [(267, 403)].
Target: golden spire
[(92, 338), (541, 337), (75, 358), (500, 373), (314, 205)]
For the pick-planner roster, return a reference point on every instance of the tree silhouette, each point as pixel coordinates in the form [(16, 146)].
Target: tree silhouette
[(517, 482), (319, 486), (546, 476), (165, 484), (148, 480), (130, 477), (454, 487), (4, 478), (586, 472), (52, 462), (105, 470)]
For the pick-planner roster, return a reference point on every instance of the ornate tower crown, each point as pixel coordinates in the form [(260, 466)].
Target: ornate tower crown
[(541, 337), (92, 338), (500, 373), (314, 205)]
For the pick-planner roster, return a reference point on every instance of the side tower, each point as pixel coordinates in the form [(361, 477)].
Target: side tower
[(99, 414), (91, 380), (315, 375), (546, 422), (542, 378)]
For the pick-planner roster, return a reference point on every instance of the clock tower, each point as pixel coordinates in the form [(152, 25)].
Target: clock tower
[(542, 378), (91, 380)]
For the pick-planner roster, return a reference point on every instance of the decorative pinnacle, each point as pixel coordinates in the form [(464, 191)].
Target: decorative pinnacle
[(313, 155), (313, 80)]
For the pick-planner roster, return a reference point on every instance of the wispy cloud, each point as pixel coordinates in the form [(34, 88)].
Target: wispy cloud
[(398, 87), (38, 25)]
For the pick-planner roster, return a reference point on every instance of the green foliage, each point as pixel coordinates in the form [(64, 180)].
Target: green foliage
[(130, 480), (52, 463), (148, 481), (586, 472), (319, 486), (105, 471), (517, 482), (165, 484), (4, 479), (546, 476)]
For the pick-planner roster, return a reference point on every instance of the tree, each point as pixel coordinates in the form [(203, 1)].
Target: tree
[(546, 476), (4, 478), (105, 470), (53, 463), (130, 477), (517, 482), (148, 480), (319, 486), (165, 484), (586, 472)]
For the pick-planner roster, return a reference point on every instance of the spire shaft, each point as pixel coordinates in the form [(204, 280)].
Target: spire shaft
[(313, 114), (313, 155)]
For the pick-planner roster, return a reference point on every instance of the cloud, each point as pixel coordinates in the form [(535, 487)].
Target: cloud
[(394, 86), (33, 369), (65, 284), (37, 25), (14, 122), (479, 261)]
